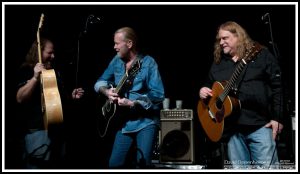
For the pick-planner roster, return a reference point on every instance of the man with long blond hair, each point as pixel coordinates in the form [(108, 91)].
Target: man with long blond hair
[(39, 150), (251, 131)]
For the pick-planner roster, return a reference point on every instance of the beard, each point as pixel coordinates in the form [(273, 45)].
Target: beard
[(48, 65)]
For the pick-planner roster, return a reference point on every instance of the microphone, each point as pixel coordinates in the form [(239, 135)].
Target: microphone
[(264, 18), (93, 19)]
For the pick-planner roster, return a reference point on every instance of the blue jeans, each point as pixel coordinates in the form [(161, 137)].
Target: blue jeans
[(37, 152), (145, 140), (255, 150)]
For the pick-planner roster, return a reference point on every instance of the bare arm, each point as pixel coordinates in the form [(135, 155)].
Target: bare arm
[(25, 92)]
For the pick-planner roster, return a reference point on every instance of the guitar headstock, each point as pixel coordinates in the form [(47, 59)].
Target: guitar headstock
[(38, 37), (255, 49), (134, 68), (41, 21)]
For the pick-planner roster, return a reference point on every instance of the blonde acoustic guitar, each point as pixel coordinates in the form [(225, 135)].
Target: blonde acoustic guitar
[(51, 101)]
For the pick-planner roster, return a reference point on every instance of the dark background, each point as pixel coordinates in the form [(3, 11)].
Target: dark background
[(179, 37)]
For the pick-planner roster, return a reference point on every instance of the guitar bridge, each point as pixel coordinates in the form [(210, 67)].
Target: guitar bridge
[(212, 116)]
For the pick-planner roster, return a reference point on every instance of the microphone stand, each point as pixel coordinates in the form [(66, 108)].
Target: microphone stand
[(81, 34), (276, 54), (274, 46), (77, 59), (91, 19)]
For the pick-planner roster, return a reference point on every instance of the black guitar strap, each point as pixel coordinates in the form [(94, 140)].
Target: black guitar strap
[(132, 77), (138, 58)]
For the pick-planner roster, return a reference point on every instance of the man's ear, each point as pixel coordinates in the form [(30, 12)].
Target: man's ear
[(129, 43)]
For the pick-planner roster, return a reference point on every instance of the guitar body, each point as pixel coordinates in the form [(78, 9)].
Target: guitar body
[(108, 109), (51, 102), (212, 112), (109, 118)]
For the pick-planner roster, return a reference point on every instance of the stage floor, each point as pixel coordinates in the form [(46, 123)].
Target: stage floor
[(158, 165)]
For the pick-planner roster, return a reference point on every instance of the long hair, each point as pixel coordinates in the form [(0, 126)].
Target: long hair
[(244, 41), (32, 57), (129, 34)]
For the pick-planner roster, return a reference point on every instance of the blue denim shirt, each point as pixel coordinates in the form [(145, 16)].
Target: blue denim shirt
[(147, 88)]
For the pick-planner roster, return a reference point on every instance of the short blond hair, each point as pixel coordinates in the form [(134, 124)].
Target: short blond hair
[(129, 34)]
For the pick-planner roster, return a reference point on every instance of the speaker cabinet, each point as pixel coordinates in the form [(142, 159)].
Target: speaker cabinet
[(176, 137)]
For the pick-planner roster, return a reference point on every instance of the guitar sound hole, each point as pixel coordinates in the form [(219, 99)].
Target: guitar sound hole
[(219, 104)]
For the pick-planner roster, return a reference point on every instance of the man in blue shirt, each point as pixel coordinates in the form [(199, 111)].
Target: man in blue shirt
[(132, 84)]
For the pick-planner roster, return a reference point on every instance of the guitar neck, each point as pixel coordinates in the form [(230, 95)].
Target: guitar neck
[(255, 49), (38, 38), (128, 74), (121, 83), (233, 79), (39, 48)]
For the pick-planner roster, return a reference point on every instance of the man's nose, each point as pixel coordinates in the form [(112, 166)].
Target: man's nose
[(221, 41)]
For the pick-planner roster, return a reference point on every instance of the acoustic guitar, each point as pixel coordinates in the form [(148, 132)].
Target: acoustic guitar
[(108, 109), (51, 102), (212, 111)]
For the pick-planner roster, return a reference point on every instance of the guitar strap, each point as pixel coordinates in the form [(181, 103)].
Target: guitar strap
[(237, 83), (138, 58)]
